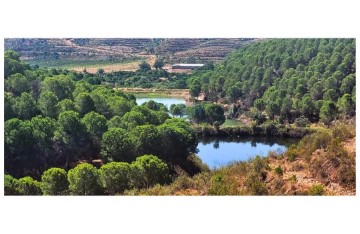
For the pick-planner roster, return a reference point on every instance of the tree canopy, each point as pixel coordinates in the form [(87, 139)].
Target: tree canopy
[(282, 76)]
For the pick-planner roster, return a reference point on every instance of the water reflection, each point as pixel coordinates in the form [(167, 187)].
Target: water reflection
[(217, 152)]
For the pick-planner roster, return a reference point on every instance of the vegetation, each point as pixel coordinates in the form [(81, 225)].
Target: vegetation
[(54, 181), (206, 112), (286, 78), (279, 170), (72, 133), (115, 177), (267, 175), (83, 180), (316, 189), (54, 120)]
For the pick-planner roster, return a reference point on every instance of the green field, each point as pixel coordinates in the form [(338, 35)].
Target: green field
[(231, 123)]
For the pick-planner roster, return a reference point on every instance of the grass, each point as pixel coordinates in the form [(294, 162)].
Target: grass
[(278, 170), (316, 190), (231, 123), (154, 93)]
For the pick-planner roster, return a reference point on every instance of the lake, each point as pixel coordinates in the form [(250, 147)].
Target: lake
[(217, 152), (167, 101), (220, 152)]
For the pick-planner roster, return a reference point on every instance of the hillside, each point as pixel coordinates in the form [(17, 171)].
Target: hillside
[(55, 51), (286, 79), (321, 164)]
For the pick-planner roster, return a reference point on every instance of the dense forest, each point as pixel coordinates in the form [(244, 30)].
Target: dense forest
[(54, 121), (285, 79)]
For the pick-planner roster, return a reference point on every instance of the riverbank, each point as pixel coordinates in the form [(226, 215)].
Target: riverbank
[(262, 131)]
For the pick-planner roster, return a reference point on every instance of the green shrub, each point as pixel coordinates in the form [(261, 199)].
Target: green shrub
[(316, 189), (54, 181), (202, 182), (254, 185), (347, 175), (84, 180), (182, 182), (270, 129), (11, 185), (29, 186), (342, 132), (302, 122), (278, 170), (148, 170), (318, 140), (115, 177), (293, 178), (291, 153), (222, 185), (259, 163)]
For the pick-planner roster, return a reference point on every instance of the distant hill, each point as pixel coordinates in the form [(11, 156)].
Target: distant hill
[(44, 50)]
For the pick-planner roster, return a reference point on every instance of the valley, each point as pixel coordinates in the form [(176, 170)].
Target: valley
[(113, 117)]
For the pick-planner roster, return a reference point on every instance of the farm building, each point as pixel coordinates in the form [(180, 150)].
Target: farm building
[(186, 66)]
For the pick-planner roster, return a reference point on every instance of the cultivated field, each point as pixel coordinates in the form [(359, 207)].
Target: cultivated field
[(112, 67)]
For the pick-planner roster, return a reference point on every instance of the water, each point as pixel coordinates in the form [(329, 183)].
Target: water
[(216, 152), (220, 152), (167, 101)]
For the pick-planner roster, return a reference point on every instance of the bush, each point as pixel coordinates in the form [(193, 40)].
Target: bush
[(270, 129), (202, 182), (279, 171), (316, 189), (54, 182), (149, 170), (254, 185), (115, 177), (293, 178), (347, 175), (11, 185), (84, 180), (302, 122), (318, 140), (259, 164), (342, 131), (182, 182), (29, 186), (291, 153), (222, 185)]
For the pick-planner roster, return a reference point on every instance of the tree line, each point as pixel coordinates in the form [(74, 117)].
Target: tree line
[(112, 178)]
